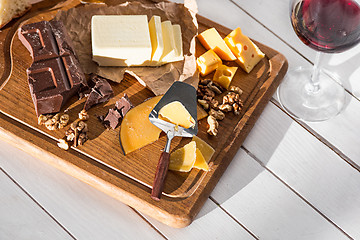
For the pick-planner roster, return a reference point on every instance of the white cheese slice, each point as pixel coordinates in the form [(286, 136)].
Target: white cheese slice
[(121, 40), (178, 43), (156, 37), (169, 42)]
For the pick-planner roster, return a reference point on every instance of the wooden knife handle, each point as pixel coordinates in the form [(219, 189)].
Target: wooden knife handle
[(160, 176)]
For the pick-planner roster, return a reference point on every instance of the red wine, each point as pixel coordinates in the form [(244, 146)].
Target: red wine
[(327, 25)]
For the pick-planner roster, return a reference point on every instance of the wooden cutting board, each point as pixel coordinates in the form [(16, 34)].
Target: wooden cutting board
[(100, 161)]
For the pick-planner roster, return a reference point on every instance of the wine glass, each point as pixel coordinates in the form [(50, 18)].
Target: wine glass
[(329, 26)]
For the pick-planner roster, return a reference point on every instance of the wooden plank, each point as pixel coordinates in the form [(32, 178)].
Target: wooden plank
[(266, 206), (264, 142), (311, 168), (101, 155), (84, 211), (21, 217)]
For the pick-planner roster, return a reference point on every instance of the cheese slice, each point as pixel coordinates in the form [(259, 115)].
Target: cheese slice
[(246, 52), (136, 129), (178, 43), (183, 159), (177, 114), (201, 113), (170, 51), (224, 74), (211, 39), (156, 37), (120, 40), (208, 62), (206, 150), (200, 162)]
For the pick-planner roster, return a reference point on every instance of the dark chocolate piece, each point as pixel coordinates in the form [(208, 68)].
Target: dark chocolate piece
[(55, 74), (123, 105), (99, 93), (114, 116), (112, 119)]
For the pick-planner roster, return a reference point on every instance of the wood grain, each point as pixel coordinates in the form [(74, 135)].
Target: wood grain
[(100, 161)]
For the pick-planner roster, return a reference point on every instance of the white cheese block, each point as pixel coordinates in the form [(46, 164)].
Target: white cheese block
[(121, 40), (170, 51), (156, 37), (178, 43)]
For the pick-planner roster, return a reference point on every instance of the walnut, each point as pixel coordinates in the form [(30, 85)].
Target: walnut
[(236, 108), (64, 119), (219, 115), (56, 117), (236, 89), (214, 103), (213, 125), (42, 119), (82, 126), (213, 87), (83, 115), (225, 99), (51, 124), (63, 144), (70, 134), (205, 105), (207, 98), (74, 125), (231, 97), (209, 92), (82, 138), (226, 107)]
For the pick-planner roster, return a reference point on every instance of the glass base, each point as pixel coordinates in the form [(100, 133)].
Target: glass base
[(305, 102)]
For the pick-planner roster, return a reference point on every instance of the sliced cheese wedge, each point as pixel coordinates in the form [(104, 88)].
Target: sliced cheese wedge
[(211, 39), (200, 162), (206, 150), (136, 129), (178, 43), (183, 159), (170, 51), (177, 114), (156, 37)]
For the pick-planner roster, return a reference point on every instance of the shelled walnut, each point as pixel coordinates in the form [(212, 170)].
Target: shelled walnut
[(54, 122), (231, 102), (75, 134)]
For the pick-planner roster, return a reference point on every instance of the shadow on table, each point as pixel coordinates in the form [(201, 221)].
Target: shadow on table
[(249, 162)]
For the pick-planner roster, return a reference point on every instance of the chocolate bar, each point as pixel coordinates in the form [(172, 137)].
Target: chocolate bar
[(55, 74), (100, 92)]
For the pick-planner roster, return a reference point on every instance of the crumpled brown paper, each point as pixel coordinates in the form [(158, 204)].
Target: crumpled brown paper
[(157, 79)]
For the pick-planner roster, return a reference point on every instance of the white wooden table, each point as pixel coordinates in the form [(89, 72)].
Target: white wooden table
[(289, 180)]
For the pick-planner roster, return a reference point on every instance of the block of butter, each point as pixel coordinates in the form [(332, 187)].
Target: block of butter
[(246, 52), (121, 40)]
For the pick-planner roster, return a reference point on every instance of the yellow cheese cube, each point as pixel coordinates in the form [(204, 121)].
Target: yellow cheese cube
[(246, 52), (184, 158), (136, 129), (200, 162), (224, 75), (206, 150), (211, 39), (177, 114), (208, 62)]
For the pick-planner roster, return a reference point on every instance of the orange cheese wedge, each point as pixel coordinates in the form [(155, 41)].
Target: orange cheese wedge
[(136, 129)]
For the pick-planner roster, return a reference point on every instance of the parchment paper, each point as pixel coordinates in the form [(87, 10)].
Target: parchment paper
[(157, 79)]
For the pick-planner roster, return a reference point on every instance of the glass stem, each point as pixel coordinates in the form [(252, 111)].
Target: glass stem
[(315, 74)]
